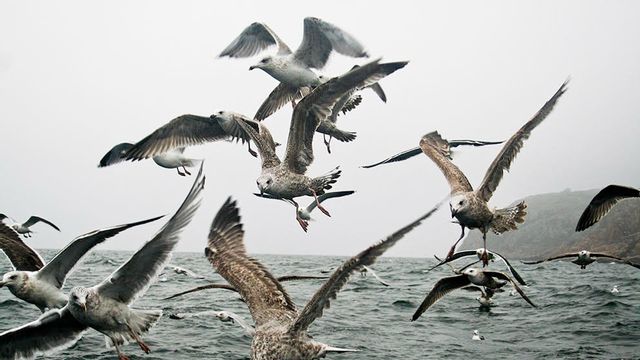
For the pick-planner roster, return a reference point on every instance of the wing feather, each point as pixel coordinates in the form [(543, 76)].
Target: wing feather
[(261, 136), (34, 219), (437, 149), (21, 255), (603, 202), (252, 40), (551, 258), (440, 289), (503, 276), (278, 98)]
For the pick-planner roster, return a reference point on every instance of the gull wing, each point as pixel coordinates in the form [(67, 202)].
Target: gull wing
[(603, 202), (317, 106), (21, 255), (252, 40), (185, 130), (54, 330), (136, 275), (437, 149), (328, 195), (261, 136), (266, 298), (278, 98), (503, 276), (56, 271), (320, 38), (511, 269), (116, 155), (455, 256), (509, 151), (440, 289), (34, 219), (551, 258), (322, 298), (370, 271), (597, 255)]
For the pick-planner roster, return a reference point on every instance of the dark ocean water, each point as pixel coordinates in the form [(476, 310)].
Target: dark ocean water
[(578, 317)]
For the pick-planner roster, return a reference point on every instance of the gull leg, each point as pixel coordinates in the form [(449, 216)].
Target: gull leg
[(315, 196), (121, 355), (327, 143), (303, 223), (141, 343), (453, 248), (186, 171), (251, 151), (179, 173), (293, 103), (485, 256)]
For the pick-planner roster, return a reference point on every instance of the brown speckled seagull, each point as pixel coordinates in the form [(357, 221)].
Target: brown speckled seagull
[(280, 328), (470, 207)]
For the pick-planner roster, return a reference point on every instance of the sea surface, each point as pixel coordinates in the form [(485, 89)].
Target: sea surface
[(578, 317)]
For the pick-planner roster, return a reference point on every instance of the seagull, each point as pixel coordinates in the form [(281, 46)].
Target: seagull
[(491, 255), (603, 202), (281, 329), (583, 258), (224, 316), (477, 336), (470, 207), (304, 214), (367, 270), (485, 298), (229, 287), (615, 289), (105, 307), (167, 143), (24, 228), (407, 154), (292, 70), (39, 284), (287, 179), (469, 276), (183, 271)]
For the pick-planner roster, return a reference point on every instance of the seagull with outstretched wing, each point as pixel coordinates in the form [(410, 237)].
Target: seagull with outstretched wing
[(492, 255), (25, 227), (224, 316), (583, 258)]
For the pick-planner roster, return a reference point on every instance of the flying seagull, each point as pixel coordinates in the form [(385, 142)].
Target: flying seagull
[(492, 255), (470, 207), (281, 329), (304, 214), (40, 284), (287, 179), (407, 154), (24, 228), (469, 276), (603, 202), (486, 294), (167, 143), (292, 70), (224, 316), (231, 288), (367, 270), (105, 307), (184, 271), (583, 258)]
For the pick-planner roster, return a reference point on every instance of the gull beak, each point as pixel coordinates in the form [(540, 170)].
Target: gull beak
[(84, 307), (2, 283), (252, 67), (453, 213)]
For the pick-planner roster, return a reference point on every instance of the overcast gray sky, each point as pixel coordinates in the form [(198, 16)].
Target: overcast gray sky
[(77, 77)]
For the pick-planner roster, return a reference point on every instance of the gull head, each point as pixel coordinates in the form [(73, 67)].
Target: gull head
[(264, 183), (224, 316), (264, 64), (14, 280), (470, 272), (222, 116), (78, 297), (583, 254), (458, 204)]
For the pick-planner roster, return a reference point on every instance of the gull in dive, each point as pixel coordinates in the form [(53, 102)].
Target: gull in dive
[(231, 288), (603, 202), (292, 70), (287, 179), (24, 228), (281, 329), (367, 270), (40, 284), (469, 276), (224, 316), (105, 307), (184, 271), (491, 255), (477, 336), (167, 143), (470, 207), (304, 214), (583, 258), (407, 154)]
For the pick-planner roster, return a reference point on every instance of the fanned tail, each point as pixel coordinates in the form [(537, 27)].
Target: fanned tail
[(140, 321), (508, 219), (344, 136), (324, 182)]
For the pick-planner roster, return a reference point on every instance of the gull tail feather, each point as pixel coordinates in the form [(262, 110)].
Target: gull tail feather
[(508, 219), (325, 181)]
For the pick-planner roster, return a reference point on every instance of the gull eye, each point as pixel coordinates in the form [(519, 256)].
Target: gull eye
[(264, 61), (219, 112), (13, 277), (460, 203)]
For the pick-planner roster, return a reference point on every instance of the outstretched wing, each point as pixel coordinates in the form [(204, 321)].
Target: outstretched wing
[(320, 38), (328, 195), (278, 98), (252, 40), (116, 155), (453, 257), (317, 106), (185, 130), (551, 258), (263, 140), (136, 275), (266, 298), (61, 265), (21, 255), (322, 298), (603, 202), (511, 269), (504, 159), (503, 276), (54, 330), (597, 255), (437, 149), (440, 289), (34, 219)]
